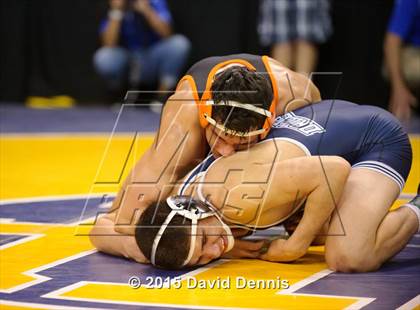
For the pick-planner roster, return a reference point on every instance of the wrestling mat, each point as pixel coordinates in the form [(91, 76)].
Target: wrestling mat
[(56, 169)]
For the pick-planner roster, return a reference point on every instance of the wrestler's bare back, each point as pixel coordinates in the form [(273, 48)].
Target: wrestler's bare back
[(181, 143), (240, 185)]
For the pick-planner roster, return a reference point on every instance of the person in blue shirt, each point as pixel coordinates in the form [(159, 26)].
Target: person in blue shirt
[(138, 45), (402, 56)]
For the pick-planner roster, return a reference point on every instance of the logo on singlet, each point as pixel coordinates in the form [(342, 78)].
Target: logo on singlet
[(297, 123)]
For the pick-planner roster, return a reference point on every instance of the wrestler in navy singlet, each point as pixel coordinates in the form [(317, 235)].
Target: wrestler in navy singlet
[(366, 136)]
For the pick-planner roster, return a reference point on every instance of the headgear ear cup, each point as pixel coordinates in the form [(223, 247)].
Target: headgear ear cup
[(229, 236)]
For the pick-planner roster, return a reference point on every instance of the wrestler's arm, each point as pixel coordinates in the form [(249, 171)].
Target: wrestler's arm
[(179, 142), (105, 239), (292, 222), (321, 180)]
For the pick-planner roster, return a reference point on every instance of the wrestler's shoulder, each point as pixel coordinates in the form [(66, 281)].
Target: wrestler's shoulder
[(182, 105), (277, 66), (282, 72)]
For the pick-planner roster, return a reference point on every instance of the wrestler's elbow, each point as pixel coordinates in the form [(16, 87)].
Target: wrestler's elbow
[(100, 233), (97, 240), (94, 234), (338, 168), (93, 237), (334, 178), (100, 246)]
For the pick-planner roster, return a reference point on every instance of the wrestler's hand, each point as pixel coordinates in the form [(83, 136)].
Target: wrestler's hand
[(245, 249), (278, 252)]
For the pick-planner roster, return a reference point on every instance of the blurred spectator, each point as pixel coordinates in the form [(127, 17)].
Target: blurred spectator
[(293, 28), (402, 55), (138, 45)]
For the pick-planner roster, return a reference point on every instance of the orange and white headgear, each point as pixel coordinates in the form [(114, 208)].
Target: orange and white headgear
[(205, 116)]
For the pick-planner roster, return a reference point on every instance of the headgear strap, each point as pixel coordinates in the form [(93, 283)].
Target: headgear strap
[(237, 104)]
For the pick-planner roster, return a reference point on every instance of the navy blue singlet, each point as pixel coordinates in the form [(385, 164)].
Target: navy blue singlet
[(366, 136)]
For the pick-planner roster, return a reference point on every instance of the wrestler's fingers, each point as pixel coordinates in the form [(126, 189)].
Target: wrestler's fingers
[(249, 245), (274, 251), (250, 254), (241, 254), (269, 256)]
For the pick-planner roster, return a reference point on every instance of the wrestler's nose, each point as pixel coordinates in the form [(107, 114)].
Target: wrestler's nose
[(226, 149), (212, 252)]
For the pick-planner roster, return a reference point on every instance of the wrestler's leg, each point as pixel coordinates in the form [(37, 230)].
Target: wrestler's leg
[(306, 57), (283, 52), (371, 233)]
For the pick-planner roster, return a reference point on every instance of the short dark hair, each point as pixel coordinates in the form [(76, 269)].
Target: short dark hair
[(245, 86), (175, 242)]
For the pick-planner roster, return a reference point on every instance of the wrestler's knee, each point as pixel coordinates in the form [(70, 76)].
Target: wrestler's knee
[(350, 261)]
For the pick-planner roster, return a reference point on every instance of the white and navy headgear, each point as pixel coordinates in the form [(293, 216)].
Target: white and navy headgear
[(193, 210)]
